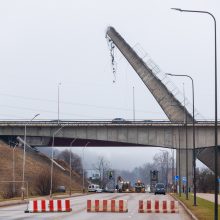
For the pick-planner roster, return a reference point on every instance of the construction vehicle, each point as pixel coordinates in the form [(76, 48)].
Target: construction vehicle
[(126, 186), (123, 186), (139, 187)]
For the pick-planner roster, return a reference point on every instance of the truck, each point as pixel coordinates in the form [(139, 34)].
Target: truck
[(139, 187)]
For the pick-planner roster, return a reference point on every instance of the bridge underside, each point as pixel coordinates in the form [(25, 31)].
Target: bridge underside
[(205, 155), (65, 142), (92, 143)]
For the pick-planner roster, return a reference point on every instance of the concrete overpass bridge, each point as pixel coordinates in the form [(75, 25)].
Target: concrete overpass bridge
[(164, 134), (108, 133)]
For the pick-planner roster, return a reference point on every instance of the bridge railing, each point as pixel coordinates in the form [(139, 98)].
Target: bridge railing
[(96, 122)]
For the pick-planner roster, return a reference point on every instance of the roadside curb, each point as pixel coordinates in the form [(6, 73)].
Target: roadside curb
[(186, 209), (10, 203), (20, 202)]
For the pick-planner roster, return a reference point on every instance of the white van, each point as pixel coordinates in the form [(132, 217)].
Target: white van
[(93, 188)]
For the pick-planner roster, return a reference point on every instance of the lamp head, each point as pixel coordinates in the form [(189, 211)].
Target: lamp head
[(177, 9), (170, 74)]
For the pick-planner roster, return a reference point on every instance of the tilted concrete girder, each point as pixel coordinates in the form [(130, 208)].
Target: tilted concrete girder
[(174, 110), (170, 105), (207, 157)]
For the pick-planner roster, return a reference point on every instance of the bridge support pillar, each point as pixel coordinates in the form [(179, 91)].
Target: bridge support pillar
[(181, 168)]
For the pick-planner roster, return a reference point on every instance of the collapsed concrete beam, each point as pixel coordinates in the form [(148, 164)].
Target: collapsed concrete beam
[(174, 110)]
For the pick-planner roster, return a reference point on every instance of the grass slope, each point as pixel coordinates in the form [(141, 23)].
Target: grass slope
[(36, 163)]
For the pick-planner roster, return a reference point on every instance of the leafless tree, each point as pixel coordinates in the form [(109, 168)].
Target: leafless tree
[(102, 167), (76, 162), (162, 163), (42, 182), (8, 191), (205, 180)]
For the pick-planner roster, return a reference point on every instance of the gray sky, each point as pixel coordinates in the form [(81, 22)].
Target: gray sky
[(46, 42), (123, 158)]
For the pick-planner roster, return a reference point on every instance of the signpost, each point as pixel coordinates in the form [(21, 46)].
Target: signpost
[(184, 179)]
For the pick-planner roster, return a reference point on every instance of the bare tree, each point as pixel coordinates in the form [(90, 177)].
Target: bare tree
[(8, 191), (102, 166), (42, 182), (162, 163), (76, 162), (205, 180)]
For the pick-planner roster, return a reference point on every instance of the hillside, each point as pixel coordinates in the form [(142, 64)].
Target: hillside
[(37, 172)]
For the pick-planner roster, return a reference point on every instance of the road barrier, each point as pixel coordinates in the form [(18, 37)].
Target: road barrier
[(158, 206), (107, 205), (59, 205)]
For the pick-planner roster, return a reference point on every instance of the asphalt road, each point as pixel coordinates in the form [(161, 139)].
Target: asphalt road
[(78, 204)]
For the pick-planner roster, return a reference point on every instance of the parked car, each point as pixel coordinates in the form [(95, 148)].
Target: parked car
[(99, 190), (160, 189), (93, 188), (109, 190), (61, 189)]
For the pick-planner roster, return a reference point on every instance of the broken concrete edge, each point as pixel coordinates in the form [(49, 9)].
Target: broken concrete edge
[(188, 211), (20, 202)]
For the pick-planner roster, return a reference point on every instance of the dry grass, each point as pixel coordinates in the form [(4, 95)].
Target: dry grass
[(35, 164)]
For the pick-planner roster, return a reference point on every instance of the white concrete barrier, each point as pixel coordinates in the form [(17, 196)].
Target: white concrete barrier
[(158, 206), (59, 205), (112, 205)]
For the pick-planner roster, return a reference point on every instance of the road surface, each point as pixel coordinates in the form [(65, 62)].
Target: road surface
[(78, 205)]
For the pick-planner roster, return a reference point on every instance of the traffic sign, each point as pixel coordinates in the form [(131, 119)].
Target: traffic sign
[(184, 179), (176, 178)]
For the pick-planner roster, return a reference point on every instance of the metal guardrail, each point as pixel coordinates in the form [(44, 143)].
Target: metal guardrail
[(96, 122), (157, 71)]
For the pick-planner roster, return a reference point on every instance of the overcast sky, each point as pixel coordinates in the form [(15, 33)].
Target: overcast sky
[(43, 43)]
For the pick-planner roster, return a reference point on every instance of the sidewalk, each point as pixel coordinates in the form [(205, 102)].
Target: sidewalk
[(208, 196), (20, 201)]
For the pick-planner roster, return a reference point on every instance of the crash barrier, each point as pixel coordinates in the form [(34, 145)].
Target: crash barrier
[(158, 206), (59, 205), (107, 205)]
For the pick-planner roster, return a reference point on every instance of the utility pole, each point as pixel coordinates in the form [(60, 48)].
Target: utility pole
[(133, 105)]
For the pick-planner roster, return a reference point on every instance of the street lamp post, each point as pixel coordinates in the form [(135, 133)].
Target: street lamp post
[(58, 104), (83, 166), (216, 110), (172, 170), (14, 169), (13, 166), (194, 145), (133, 105), (71, 162), (51, 171), (187, 176), (179, 163), (176, 184), (24, 155)]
